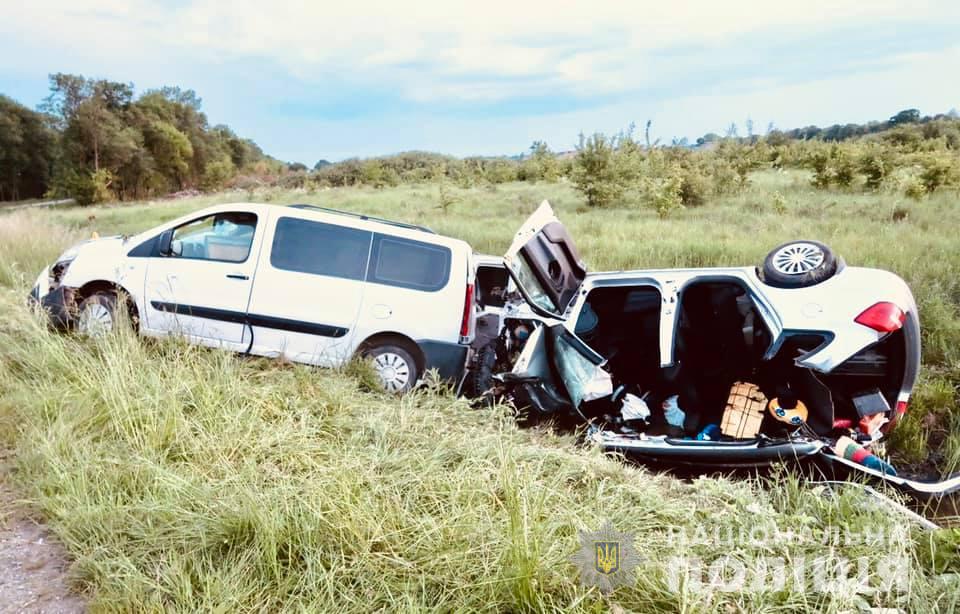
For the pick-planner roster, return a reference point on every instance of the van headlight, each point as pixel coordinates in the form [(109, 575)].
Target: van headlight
[(59, 269)]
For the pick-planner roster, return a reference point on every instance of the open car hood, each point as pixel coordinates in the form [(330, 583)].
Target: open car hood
[(545, 263)]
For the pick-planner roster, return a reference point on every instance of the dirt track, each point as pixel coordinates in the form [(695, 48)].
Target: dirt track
[(33, 566)]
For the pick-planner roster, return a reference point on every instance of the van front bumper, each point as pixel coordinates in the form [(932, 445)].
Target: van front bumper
[(59, 305)]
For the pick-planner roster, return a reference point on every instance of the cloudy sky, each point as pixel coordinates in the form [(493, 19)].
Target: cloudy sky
[(321, 79)]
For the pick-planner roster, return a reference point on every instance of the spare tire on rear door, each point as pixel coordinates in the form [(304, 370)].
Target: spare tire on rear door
[(799, 264)]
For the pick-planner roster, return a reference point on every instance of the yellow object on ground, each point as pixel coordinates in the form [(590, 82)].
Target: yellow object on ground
[(795, 415)]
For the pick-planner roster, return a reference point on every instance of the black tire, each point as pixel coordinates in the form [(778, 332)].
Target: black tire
[(395, 365), (97, 314), (799, 264), (481, 378)]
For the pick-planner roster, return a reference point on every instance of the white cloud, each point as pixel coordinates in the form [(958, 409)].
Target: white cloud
[(678, 62), (428, 48)]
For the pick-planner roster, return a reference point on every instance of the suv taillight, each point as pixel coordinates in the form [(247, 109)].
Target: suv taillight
[(467, 312), (882, 317)]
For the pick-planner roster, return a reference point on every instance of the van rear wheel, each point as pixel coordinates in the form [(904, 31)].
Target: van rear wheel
[(394, 365), (799, 264)]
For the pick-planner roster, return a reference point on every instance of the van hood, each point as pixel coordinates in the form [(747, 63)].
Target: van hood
[(93, 244)]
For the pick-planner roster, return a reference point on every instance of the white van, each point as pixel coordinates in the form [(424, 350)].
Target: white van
[(314, 285)]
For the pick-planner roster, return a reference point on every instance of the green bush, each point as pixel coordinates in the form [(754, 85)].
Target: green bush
[(875, 165), (937, 171), (819, 163), (914, 188), (844, 169), (664, 195), (217, 173), (694, 188), (597, 171)]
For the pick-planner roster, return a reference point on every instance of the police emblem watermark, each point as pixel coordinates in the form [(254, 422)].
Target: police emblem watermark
[(606, 558)]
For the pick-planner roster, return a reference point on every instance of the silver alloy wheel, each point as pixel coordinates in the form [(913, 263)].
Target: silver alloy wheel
[(798, 258), (95, 320), (393, 370)]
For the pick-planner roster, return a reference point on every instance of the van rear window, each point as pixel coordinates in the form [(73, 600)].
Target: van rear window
[(409, 264), (320, 249)]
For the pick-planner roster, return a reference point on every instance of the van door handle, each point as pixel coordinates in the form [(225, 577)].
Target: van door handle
[(237, 276)]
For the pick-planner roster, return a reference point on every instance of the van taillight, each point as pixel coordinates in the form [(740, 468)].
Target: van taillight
[(898, 414), (467, 312), (882, 317), (901, 409)]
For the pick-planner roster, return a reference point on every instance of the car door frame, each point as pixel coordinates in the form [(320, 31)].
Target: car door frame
[(150, 248)]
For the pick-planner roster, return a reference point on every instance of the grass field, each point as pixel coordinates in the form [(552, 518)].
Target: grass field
[(186, 479)]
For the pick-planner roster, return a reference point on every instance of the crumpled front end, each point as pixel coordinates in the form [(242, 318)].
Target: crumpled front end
[(55, 299)]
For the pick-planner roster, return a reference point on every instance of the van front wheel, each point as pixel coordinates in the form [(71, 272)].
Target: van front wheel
[(96, 316), (394, 365)]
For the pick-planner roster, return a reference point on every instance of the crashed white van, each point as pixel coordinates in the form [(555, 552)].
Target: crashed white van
[(652, 360), (314, 285)]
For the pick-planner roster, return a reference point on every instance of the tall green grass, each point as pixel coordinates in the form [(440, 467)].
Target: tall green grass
[(187, 479)]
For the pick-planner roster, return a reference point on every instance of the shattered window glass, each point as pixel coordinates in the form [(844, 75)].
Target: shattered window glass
[(583, 378), (531, 284)]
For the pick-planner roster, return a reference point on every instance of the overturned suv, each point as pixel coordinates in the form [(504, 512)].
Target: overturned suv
[(655, 361)]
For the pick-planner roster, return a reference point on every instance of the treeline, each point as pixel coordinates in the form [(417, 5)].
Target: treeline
[(422, 167), (913, 155), (915, 158), (842, 132), (94, 141)]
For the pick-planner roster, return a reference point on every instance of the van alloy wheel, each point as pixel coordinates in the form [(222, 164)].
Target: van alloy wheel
[(96, 315), (394, 371), (798, 258), (798, 264)]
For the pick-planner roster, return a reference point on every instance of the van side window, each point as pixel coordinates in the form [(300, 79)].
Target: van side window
[(409, 264), (224, 237), (320, 249)]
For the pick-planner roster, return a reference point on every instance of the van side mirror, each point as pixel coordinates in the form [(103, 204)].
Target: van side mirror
[(166, 237)]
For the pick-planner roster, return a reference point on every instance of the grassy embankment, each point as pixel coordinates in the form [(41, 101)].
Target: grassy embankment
[(188, 479)]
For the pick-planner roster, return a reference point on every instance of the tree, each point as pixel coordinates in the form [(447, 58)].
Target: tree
[(907, 116), (541, 164), (710, 137), (27, 151), (171, 150), (113, 144), (596, 172)]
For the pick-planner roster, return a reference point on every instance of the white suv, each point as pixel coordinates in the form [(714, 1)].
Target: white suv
[(314, 285)]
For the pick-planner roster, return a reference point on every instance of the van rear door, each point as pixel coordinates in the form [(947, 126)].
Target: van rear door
[(545, 263)]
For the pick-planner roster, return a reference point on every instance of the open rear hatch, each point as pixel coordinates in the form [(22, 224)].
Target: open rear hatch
[(545, 263)]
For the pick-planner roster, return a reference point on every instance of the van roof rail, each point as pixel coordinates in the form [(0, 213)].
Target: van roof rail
[(361, 216)]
